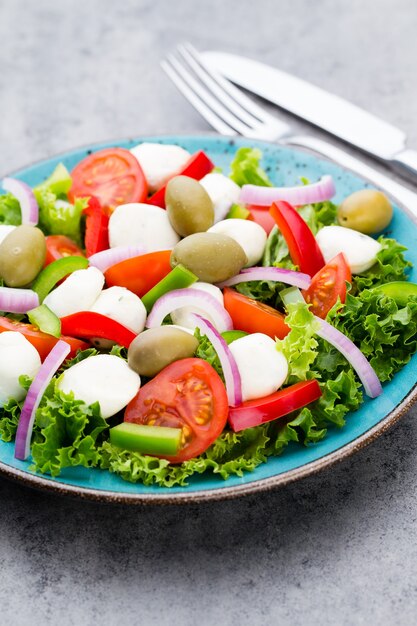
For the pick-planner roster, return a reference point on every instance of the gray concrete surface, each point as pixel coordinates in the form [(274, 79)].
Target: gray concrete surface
[(338, 548)]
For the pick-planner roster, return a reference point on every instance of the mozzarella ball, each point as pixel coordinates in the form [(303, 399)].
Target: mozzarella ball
[(360, 250), (141, 224), (103, 378), (223, 193), (17, 357), (123, 306), (262, 368), (159, 162), (183, 316), (250, 236), (77, 293)]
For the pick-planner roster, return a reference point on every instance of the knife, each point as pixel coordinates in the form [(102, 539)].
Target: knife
[(327, 111)]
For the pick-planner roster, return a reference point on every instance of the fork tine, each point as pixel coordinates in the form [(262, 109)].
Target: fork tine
[(206, 76), (197, 103), (235, 94), (207, 97)]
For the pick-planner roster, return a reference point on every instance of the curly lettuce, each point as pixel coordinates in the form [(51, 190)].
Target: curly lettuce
[(245, 169)]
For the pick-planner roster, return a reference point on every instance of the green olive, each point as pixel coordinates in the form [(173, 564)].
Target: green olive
[(22, 255), (213, 257), (189, 207), (156, 348), (368, 211)]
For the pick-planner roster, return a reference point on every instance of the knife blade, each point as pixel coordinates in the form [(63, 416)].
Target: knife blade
[(325, 110)]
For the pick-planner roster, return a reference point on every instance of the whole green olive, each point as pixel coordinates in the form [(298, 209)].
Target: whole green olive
[(189, 207), (156, 348), (213, 257), (22, 255), (368, 211)]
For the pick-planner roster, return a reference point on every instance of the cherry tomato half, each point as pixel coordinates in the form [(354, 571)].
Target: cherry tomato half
[(328, 285), (39, 340), (262, 216), (140, 273), (253, 316), (59, 246), (188, 394), (113, 176)]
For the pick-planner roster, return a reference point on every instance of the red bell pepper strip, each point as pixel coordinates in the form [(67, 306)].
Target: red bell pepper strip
[(302, 245), (88, 324), (262, 216), (197, 166), (255, 412), (96, 228)]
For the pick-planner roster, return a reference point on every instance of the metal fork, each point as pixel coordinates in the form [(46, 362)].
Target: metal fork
[(229, 111)]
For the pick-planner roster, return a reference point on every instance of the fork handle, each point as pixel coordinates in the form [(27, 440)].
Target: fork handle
[(397, 191)]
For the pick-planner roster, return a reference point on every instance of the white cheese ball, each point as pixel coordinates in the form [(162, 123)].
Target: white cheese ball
[(123, 306), (104, 378), (223, 193), (262, 368), (17, 357), (77, 293), (183, 316), (360, 250), (141, 224), (159, 162), (250, 236)]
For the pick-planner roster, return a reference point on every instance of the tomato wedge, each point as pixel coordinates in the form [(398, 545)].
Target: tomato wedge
[(197, 166), (262, 216), (262, 410), (96, 236), (140, 273), (328, 285), (41, 341), (188, 394), (112, 175), (253, 316), (59, 246), (302, 245)]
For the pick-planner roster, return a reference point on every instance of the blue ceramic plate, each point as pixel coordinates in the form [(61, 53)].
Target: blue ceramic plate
[(285, 166)]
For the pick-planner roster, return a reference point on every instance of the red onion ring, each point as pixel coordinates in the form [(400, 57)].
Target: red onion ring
[(230, 369), (320, 191), (42, 379), (17, 300), (297, 279), (106, 258), (24, 194)]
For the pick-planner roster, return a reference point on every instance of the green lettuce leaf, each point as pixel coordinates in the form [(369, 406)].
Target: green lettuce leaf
[(206, 351), (10, 413), (300, 345), (245, 168), (59, 182), (68, 433), (391, 265), (10, 210)]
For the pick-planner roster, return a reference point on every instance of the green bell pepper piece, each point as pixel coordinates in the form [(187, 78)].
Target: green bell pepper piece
[(159, 440), (56, 271), (45, 320), (178, 278)]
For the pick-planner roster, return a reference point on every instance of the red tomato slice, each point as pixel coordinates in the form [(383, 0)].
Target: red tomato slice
[(140, 273), (59, 246), (302, 245), (188, 394), (197, 166), (328, 285), (112, 175), (262, 410), (262, 216), (253, 316), (41, 341)]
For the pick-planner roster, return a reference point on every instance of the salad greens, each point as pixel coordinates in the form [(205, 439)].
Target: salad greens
[(245, 168)]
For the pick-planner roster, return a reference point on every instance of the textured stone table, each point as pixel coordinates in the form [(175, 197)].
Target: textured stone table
[(337, 548)]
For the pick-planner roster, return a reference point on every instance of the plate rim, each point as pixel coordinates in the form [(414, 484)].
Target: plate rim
[(222, 493)]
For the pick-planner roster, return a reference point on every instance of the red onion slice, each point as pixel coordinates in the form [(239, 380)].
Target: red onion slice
[(297, 279), (189, 297), (320, 191), (24, 194), (17, 300), (358, 361), (105, 259), (227, 360), (42, 379)]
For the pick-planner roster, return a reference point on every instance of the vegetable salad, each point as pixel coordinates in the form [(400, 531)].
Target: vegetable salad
[(161, 318)]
